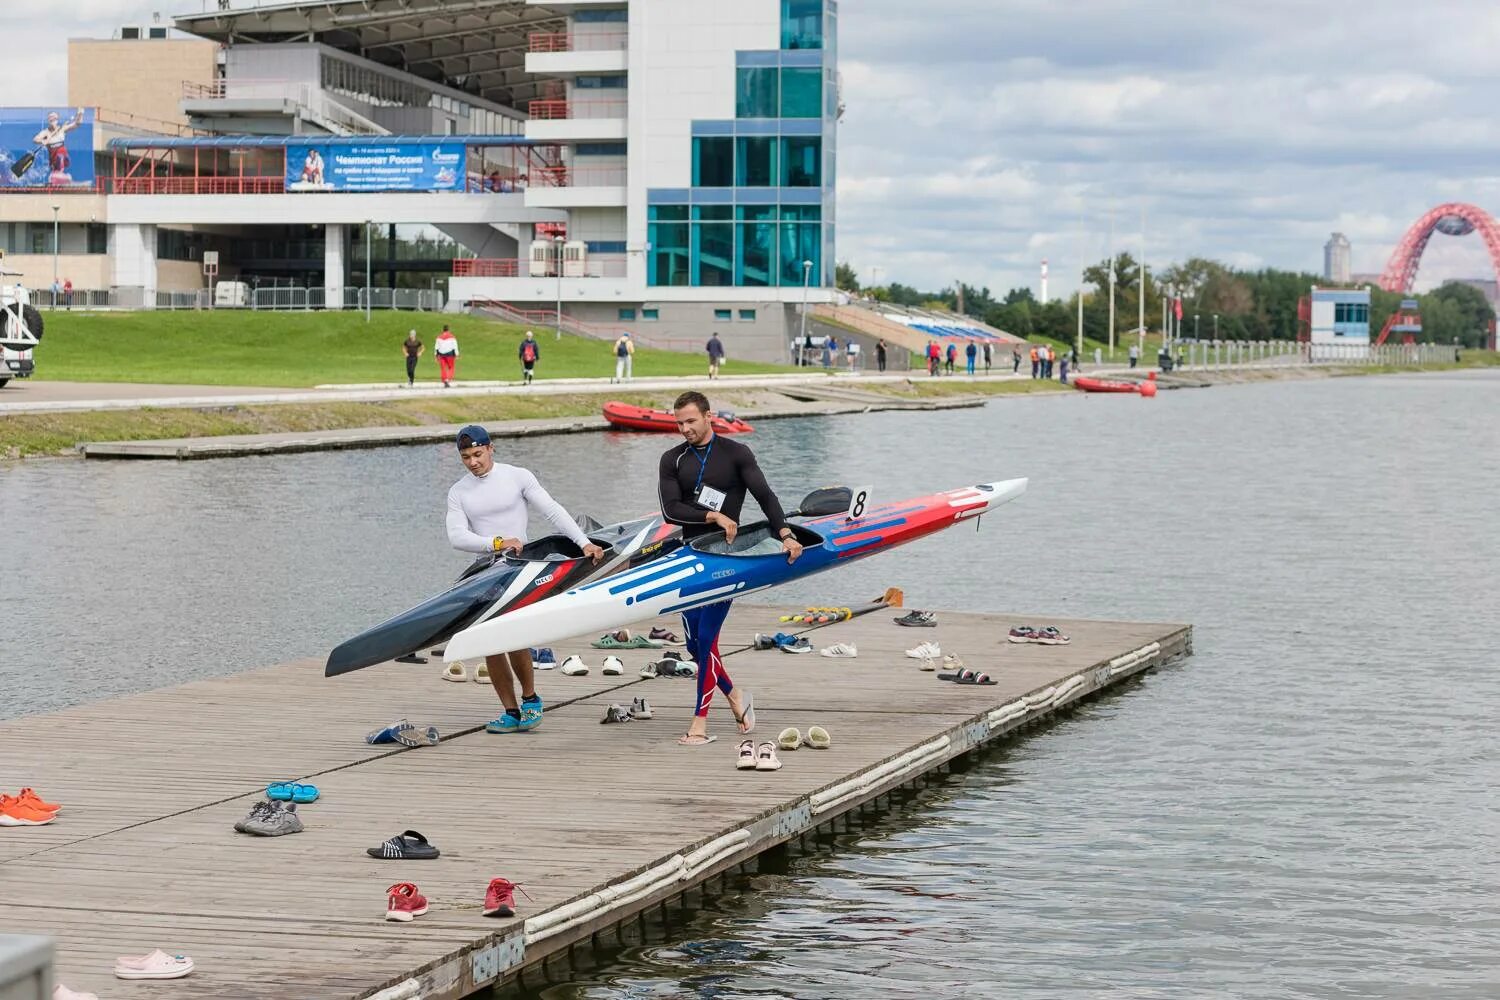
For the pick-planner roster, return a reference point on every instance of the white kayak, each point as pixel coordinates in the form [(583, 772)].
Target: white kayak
[(707, 570)]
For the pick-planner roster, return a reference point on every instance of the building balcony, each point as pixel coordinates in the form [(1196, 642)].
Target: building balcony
[(584, 120), (557, 54), (594, 266)]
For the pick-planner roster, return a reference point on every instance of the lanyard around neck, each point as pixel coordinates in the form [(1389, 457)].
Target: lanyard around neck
[(702, 462)]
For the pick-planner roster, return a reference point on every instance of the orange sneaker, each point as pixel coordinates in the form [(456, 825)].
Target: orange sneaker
[(14, 812), (31, 798)]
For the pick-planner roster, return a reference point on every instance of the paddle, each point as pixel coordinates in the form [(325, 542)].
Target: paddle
[(892, 598), (824, 501), (24, 163)]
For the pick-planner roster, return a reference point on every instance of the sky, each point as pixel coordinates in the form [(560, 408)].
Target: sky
[(982, 136)]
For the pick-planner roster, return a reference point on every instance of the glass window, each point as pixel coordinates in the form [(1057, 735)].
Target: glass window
[(799, 241), (756, 213), (601, 16), (755, 162), (598, 82), (713, 253), (599, 149), (626, 315), (713, 162), (802, 24), (713, 213), (650, 314), (802, 161), (723, 314), (667, 263), (801, 213), (755, 264), (747, 315), (755, 92), (801, 92), (98, 236), (669, 213)]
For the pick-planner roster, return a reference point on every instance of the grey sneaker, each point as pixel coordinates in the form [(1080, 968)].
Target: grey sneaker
[(640, 709), (258, 811), (279, 821)]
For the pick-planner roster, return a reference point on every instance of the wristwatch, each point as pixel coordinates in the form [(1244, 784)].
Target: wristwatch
[(497, 543)]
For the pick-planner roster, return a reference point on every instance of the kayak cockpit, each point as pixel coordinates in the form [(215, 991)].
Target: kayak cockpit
[(754, 540)]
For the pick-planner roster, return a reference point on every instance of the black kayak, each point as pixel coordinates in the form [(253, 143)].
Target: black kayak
[(495, 584)]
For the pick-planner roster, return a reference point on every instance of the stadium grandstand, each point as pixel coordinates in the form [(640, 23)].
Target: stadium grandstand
[(664, 168)]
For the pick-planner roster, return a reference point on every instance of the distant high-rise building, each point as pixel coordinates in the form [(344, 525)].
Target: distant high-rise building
[(1336, 259)]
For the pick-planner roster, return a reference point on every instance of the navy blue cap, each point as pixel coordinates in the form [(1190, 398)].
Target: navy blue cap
[(472, 436)]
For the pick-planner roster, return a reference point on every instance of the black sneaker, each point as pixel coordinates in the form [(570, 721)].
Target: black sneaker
[(918, 619)]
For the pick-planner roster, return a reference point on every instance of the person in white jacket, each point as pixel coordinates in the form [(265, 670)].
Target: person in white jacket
[(487, 512)]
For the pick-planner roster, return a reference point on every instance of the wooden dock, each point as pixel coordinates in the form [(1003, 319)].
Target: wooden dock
[(596, 822)]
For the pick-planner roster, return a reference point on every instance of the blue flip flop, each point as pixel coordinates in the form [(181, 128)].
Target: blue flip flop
[(291, 791)]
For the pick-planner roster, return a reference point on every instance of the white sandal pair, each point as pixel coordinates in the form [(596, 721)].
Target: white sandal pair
[(459, 673)]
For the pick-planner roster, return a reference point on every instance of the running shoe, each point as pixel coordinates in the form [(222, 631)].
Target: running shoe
[(917, 619), (1022, 633), (507, 723), (616, 713), (1050, 636), (543, 658), (574, 666), (257, 811), (500, 898), (278, 821), (640, 709), (14, 812), (764, 641), (797, 646), (531, 712), (31, 798), (925, 651), (840, 650), (403, 901)]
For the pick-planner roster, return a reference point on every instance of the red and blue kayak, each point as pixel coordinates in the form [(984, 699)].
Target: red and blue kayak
[(642, 418), (710, 569)]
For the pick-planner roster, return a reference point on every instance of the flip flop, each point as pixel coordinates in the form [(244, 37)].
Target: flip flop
[(290, 791), (456, 672), (818, 738), (689, 740), (970, 677), (613, 667), (406, 846), (790, 739), (957, 675), (746, 721), (746, 761)]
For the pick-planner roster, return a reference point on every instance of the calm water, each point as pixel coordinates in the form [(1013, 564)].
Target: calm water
[(1305, 808)]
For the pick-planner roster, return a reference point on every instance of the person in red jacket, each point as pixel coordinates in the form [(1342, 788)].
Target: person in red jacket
[(933, 357), (446, 350)]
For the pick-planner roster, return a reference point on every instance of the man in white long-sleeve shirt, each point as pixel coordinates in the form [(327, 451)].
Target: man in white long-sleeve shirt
[(487, 512)]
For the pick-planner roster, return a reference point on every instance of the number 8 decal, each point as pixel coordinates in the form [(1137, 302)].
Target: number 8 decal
[(858, 503)]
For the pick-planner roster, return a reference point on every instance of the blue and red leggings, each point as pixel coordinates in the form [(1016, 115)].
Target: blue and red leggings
[(701, 628)]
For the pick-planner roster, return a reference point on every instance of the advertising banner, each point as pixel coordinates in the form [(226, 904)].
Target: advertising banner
[(375, 166), (46, 147)]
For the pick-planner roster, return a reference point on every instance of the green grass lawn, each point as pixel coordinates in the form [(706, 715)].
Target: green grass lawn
[(296, 349)]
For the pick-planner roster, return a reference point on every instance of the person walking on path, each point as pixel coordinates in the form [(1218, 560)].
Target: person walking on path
[(952, 357), (830, 345), (1062, 372), (487, 512), (702, 485), (446, 350), (1051, 360), (807, 352), (528, 352), (68, 293), (934, 358), (1135, 355), (880, 355), (412, 347), (624, 358), (1036, 363), (715, 348), (971, 351), (986, 357), (1015, 361)]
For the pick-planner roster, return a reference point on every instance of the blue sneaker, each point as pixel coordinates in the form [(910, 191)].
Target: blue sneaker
[(531, 712), (507, 723)]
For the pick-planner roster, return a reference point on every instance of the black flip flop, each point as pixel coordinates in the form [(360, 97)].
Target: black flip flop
[(957, 676), (407, 846), (973, 678)]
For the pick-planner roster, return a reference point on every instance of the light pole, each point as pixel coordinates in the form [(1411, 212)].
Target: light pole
[(1216, 328), (806, 279), (55, 210), (1195, 326), (369, 225), (559, 241)]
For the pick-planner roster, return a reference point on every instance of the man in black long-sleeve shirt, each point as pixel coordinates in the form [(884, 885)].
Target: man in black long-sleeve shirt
[(702, 485)]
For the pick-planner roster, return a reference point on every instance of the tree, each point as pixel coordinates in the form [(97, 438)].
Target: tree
[(845, 278)]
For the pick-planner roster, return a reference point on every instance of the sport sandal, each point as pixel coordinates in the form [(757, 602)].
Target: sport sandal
[(407, 846)]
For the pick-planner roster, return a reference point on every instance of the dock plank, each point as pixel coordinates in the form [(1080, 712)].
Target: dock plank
[(144, 855)]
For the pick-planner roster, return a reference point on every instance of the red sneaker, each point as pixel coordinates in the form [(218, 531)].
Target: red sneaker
[(500, 899), (403, 902), (14, 812)]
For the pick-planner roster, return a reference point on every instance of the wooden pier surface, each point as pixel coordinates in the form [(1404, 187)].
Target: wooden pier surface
[(610, 819)]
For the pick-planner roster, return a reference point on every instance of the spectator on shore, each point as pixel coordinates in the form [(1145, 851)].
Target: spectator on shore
[(1015, 361), (1036, 363), (446, 350), (412, 348), (830, 345), (880, 355), (56, 293), (68, 293), (529, 353), (971, 352), (806, 359), (934, 357), (624, 358), (987, 355), (952, 357), (1063, 370), (715, 348), (1051, 360), (1135, 355)]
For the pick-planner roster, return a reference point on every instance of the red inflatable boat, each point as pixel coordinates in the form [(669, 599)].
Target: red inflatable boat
[(639, 418), (1087, 384)]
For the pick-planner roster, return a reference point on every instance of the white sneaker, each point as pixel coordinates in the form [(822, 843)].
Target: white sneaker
[(574, 666), (613, 667), (840, 650), (925, 651)]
